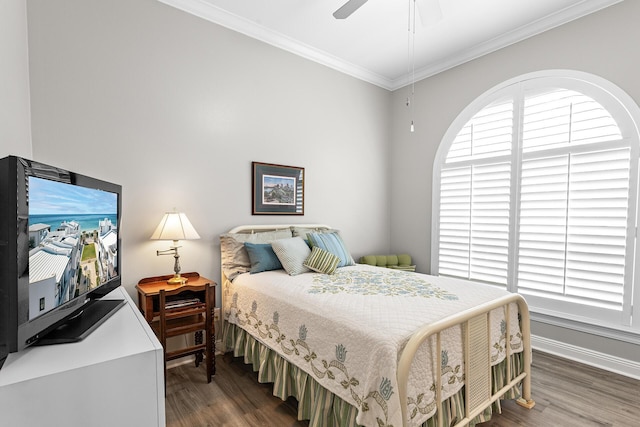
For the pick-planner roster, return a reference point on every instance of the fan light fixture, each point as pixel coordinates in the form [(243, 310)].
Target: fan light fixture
[(174, 226), (411, 58)]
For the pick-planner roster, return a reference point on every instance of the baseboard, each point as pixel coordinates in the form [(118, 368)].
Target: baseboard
[(181, 361), (621, 366)]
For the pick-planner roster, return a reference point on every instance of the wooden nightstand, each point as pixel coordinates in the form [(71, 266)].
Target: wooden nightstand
[(189, 308)]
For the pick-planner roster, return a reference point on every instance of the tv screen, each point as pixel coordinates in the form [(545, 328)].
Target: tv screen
[(73, 242), (59, 253)]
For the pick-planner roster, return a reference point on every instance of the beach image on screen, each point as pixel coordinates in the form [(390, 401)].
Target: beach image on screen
[(73, 242)]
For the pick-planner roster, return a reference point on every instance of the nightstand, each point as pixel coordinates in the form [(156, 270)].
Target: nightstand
[(188, 308)]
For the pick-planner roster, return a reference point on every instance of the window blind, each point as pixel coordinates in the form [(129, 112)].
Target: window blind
[(559, 117), (488, 134), (474, 227), (455, 222), (560, 167), (474, 205), (573, 226)]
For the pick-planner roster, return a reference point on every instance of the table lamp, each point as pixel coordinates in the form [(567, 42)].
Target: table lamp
[(174, 226)]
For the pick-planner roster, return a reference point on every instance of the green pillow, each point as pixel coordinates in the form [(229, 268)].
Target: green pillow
[(404, 259), (322, 261), (368, 259)]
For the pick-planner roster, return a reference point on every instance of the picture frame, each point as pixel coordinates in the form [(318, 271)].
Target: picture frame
[(277, 189)]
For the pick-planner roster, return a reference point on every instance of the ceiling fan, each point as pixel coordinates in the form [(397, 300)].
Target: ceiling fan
[(429, 10), (348, 8)]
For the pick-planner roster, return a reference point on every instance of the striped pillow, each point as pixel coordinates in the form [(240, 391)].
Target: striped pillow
[(292, 253), (332, 242), (322, 261)]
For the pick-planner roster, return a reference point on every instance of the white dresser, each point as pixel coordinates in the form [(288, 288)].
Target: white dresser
[(114, 377)]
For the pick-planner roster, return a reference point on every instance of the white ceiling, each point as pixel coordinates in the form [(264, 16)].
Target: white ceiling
[(373, 43)]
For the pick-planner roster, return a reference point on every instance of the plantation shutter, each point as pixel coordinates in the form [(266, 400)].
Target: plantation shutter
[(455, 222), (537, 193), (574, 201), (474, 200)]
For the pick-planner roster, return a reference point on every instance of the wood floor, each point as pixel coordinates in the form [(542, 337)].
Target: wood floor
[(567, 394)]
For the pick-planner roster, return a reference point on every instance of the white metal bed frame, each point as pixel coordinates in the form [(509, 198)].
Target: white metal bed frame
[(476, 335)]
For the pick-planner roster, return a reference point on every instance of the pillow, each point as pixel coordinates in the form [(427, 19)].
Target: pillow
[(262, 257), (404, 259), (303, 231), (322, 261), (383, 260), (368, 259), (292, 253), (234, 256), (332, 242)]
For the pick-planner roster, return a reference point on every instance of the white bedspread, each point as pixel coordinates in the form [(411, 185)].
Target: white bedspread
[(347, 330)]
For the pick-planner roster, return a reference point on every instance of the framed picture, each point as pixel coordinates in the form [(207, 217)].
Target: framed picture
[(277, 189)]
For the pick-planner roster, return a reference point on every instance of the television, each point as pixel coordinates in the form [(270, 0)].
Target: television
[(59, 254)]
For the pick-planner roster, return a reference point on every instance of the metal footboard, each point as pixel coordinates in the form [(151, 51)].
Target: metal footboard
[(477, 357)]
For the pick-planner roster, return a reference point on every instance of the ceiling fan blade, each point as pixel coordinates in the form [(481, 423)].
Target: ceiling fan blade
[(348, 8), (429, 11)]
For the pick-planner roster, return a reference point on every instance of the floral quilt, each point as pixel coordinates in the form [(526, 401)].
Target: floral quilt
[(348, 330)]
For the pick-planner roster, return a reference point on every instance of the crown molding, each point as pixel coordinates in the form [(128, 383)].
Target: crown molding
[(209, 12), (519, 34), (249, 28)]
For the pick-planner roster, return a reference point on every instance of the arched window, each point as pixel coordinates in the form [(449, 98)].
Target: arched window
[(535, 190)]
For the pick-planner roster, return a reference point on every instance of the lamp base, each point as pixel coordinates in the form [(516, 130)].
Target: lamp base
[(177, 280)]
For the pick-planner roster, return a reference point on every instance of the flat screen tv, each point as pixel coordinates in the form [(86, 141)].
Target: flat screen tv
[(59, 254)]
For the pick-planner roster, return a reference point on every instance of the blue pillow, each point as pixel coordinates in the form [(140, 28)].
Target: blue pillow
[(332, 242), (262, 257)]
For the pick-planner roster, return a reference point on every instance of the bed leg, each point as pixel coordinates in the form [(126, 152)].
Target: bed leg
[(525, 400), (526, 403)]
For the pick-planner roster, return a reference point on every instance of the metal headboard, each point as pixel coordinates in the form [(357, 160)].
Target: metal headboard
[(250, 229)]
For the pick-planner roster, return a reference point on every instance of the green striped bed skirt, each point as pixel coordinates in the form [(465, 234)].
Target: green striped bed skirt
[(324, 409)]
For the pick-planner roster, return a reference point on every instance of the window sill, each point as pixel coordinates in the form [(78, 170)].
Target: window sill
[(624, 334)]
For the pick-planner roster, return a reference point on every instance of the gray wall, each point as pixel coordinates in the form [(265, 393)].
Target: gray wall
[(15, 125), (175, 109), (604, 43)]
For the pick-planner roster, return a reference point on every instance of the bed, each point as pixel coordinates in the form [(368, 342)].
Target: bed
[(364, 345)]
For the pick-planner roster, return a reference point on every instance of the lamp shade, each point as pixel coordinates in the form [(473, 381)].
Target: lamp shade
[(175, 226)]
